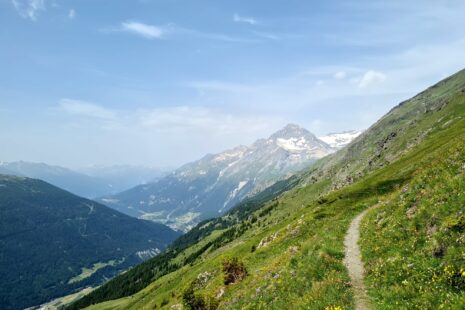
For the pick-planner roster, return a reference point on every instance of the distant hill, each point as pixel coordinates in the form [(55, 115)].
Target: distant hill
[(90, 182), (53, 242), (212, 185)]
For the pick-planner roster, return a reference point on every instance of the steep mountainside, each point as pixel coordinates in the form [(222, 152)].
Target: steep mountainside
[(404, 127), (212, 185), (53, 242), (289, 247)]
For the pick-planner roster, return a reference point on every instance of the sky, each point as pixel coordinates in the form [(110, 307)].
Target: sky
[(163, 82)]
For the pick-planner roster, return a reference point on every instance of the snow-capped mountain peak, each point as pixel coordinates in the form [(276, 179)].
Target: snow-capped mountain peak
[(217, 182), (292, 131)]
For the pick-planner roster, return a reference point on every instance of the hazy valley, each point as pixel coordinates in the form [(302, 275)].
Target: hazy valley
[(207, 155)]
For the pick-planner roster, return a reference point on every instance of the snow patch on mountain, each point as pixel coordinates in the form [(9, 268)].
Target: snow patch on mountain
[(233, 194), (293, 144), (238, 188), (339, 140), (236, 153)]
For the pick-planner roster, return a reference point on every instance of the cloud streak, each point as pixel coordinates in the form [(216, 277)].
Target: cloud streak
[(371, 78), (71, 14), (242, 19), (174, 119), (202, 119), (340, 75), (85, 109), (152, 32), (29, 8), (144, 30)]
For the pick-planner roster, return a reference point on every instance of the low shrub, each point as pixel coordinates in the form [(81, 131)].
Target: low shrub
[(233, 270)]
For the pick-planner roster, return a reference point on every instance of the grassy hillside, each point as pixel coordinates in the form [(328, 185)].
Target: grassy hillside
[(186, 249), (53, 242), (414, 243), (292, 245), (396, 133)]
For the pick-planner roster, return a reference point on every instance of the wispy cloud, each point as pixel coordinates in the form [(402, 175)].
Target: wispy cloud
[(172, 31), (269, 36), (29, 8), (214, 36), (85, 109), (204, 86), (172, 134), (242, 19), (183, 118), (145, 30), (200, 119), (340, 75), (71, 14), (371, 78)]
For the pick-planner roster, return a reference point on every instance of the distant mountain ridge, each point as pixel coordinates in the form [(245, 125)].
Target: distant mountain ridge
[(48, 236), (90, 182), (212, 185), (122, 177)]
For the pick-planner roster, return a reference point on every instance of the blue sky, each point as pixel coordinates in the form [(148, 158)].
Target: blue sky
[(162, 82)]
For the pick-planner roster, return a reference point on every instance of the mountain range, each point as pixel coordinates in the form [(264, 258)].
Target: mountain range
[(212, 185), (53, 242), (89, 182), (284, 248)]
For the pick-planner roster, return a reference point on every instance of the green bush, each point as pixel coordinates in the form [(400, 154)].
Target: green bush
[(194, 301)]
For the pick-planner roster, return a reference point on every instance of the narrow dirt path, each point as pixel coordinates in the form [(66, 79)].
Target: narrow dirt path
[(354, 263)]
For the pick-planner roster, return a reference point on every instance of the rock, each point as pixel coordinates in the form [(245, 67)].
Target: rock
[(202, 278), (293, 250), (294, 232), (411, 211), (431, 229), (220, 293), (265, 241)]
